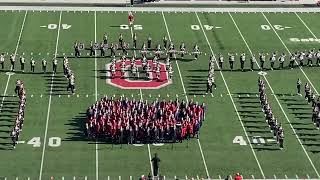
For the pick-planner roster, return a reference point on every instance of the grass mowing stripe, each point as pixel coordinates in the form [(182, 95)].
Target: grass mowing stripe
[(186, 96), (290, 53), (305, 25), (141, 97), (15, 53), (50, 98), (96, 89), (275, 96), (254, 154)]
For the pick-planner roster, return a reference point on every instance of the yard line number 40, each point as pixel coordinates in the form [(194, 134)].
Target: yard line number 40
[(52, 142)]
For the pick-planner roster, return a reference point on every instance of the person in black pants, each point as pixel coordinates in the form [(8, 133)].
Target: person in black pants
[(155, 164)]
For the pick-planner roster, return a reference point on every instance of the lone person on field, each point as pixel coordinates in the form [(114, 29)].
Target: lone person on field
[(155, 164)]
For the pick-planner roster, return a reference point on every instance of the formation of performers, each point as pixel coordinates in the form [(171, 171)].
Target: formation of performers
[(22, 60), (210, 79), (15, 132), (68, 73), (132, 121), (272, 121), (315, 102), (167, 48), (307, 57), (146, 68)]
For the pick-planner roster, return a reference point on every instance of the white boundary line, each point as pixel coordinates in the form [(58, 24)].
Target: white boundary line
[(185, 93), (135, 56), (141, 97), (235, 107), (96, 89), (305, 75), (275, 96), (49, 104), (158, 9), (15, 53)]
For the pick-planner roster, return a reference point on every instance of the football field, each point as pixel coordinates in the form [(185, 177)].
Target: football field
[(234, 137)]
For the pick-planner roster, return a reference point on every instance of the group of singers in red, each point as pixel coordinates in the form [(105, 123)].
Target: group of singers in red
[(136, 121)]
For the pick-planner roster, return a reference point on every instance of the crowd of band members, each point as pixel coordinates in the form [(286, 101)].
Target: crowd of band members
[(132, 121), (275, 127), (68, 73), (15, 132), (311, 97), (167, 48), (308, 57)]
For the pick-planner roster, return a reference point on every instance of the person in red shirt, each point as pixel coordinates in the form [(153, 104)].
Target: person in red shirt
[(238, 177), (130, 18)]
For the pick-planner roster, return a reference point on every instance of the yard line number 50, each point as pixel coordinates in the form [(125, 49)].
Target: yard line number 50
[(52, 142)]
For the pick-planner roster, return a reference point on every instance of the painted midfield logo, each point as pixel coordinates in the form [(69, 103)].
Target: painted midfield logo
[(140, 82)]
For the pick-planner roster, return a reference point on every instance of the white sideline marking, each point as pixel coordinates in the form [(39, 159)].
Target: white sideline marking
[(49, 104), (85, 178), (286, 176), (74, 178), (164, 177), (17, 178), (96, 88), (240, 120), (219, 176), (276, 98), (252, 176), (185, 92), (119, 177), (62, 178), (290, 53), (281, 106), (275, 177), (108, 177), (130, 177), (297, 176), (141, 97), (28, 178)]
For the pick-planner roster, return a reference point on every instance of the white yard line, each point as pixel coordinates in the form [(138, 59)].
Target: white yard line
[(276, 98), (5, 92), (96, 89), (305, 25), (235, 107), (290, 53), (49, 104), (141, 97), (15, 53), (185, 93), (135, 55)]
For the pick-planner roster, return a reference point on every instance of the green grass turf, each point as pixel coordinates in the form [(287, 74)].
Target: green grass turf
[(76, 157)]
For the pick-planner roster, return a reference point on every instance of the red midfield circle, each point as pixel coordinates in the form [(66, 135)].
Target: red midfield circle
[(125, 83)]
